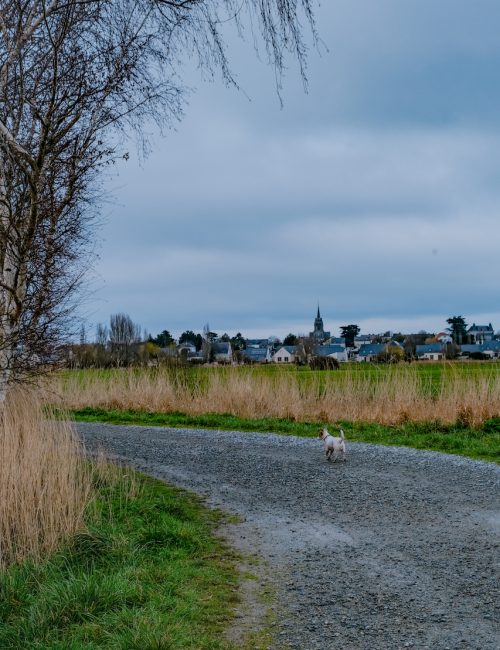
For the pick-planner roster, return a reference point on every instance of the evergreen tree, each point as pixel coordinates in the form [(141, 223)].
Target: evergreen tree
[(458, 329), (349, 333)]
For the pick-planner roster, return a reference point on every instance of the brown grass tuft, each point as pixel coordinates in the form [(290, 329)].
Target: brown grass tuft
[(44, 480)]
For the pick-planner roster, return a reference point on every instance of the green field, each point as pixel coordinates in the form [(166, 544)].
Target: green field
[(428, 373)]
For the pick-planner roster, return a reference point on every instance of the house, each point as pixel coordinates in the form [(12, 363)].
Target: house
[(188, 352), (335, 351), (256, 355), (492, 348), (188, 346), (489, 348), (369, 351), (221, 352), (480, 333), (256, 343), (430, 352), (285, 354), (336, 340), (362, 339)]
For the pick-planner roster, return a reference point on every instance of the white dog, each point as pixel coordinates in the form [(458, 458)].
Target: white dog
[(333, 446)]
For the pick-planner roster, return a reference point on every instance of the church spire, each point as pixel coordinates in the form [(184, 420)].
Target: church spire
[(319, 333)]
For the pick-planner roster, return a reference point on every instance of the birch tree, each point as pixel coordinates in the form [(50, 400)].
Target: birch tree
[(77, 77)]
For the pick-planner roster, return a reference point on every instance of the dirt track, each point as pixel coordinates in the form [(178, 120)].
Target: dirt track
[(393, 549)]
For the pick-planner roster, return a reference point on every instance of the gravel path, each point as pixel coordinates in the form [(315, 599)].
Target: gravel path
[(393, 549)]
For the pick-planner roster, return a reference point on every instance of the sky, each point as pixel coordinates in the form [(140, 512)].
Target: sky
[(376, 194)]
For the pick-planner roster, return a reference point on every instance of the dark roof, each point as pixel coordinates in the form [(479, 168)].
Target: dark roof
[(255, 354), (371, 348), (480, 347), (257, 343), (289, 348), (480, 328), (326, 350), (221, 347), (429, 347)]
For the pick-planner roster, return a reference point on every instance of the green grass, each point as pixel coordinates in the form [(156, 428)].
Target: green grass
[(482, 443), (148, 574), (427, 371)]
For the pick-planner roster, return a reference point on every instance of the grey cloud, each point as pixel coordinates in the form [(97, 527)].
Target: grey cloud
[(247, 215)]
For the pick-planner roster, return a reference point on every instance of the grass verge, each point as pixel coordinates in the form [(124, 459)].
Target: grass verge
[(480, 443), (148, 573)]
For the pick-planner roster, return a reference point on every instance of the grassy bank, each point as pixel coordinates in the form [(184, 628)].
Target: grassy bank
[(482, 442), (148, 572)]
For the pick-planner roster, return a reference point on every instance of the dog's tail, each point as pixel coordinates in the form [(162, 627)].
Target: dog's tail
[(342, 434)]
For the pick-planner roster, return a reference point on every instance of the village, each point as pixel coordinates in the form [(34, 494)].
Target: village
[(476, 342)]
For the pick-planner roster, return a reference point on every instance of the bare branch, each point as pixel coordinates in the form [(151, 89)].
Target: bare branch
[(75, 77)]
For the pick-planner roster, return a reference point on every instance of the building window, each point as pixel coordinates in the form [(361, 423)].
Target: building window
[(285, 359)]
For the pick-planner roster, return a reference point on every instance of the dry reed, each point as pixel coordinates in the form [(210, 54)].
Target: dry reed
[(388, 397), (44, 480)]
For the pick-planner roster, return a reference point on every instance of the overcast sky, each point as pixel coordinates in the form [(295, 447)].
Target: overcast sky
[(377, 194)]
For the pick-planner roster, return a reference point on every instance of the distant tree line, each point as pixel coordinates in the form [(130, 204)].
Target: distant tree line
[(122, 343)]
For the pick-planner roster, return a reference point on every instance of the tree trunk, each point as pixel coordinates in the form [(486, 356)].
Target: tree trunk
[(9, 309), (4, 381)]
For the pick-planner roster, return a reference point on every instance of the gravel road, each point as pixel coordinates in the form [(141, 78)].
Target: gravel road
[(394, 549)]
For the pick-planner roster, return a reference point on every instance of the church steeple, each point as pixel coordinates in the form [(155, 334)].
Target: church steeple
[(319, 333), (318, 325)]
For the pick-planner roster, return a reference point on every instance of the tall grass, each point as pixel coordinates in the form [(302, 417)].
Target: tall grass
[(44, 481), (389, 396)]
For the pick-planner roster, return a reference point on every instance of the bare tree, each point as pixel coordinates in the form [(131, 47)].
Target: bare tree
[(101, 335), (75, 75), (101, 341), (124, 335), (305, 349)]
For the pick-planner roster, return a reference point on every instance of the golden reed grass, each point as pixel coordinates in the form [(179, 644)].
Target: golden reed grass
[(44, 480), (389, 396)]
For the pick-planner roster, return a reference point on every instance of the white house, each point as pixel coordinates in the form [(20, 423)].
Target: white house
[(334, 351), (480, 333), (285, 354), (222, 352), (430, 352), (256, 355), (369, 351)]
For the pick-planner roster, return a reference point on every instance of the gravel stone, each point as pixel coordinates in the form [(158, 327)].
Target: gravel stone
[(395, 548)]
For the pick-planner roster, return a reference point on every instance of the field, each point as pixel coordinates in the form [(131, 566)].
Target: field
[(445, 393), (445, 407)]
